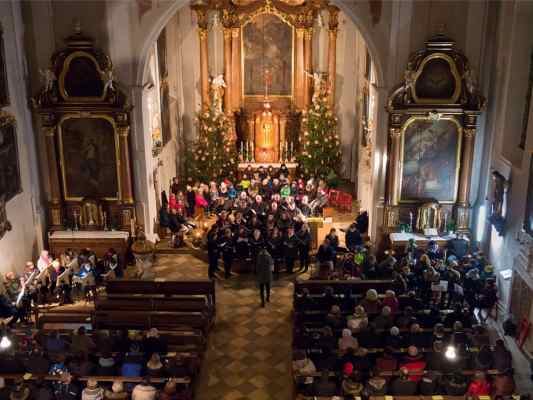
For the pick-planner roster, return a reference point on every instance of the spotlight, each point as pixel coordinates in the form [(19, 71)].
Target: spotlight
[(450, 353), (5, 342)]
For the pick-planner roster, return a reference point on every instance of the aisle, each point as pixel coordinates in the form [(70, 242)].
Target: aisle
[(249, 349)]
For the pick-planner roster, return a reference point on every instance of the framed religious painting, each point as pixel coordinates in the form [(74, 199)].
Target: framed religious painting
[(429, 159), (267, 44), (89, 154), (10, 183), (529, 202), (4, 88)]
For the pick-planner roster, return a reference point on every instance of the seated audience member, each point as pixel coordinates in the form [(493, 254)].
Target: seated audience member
[(479, 385), (153, 343), (117, 392), (356, 320), (67, 388), (55, 343), (40, 390), (503, 360), (351, 385), (429, 383), (455, 385), (384, 320), (154, 367), (414, 363), (304, 367), (106, 365), (132, 365), (375, 386), (325, 386), (20, 391), (334, 318), (144, 391), (37, 363), (387, 361), (484, 359), (371, 302), (394, 339), (347, 341), (92, 391), (391, 301), (81, 343), (503, 384), (402, 385)]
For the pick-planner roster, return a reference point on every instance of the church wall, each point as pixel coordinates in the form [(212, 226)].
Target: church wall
[(24, 241)]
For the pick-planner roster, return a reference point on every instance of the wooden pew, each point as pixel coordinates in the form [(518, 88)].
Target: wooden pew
[(145, 320), (166, 288), (352, 286), (152, 304), (182, 381)]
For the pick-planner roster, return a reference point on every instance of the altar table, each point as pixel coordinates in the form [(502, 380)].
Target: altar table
[(98, 241), (400, 239)]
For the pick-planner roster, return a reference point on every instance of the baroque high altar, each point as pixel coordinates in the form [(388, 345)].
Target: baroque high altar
[(268, 70)]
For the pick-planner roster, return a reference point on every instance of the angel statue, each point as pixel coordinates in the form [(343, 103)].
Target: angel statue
[(319, 82), (109, 79), (217, 87), (48, 78), (409, 82)]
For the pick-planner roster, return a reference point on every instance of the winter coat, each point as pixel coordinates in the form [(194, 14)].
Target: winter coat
[(376, 386), (479, 388), (265, 264)]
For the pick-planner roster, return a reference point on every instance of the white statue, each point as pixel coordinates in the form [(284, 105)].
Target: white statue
[(109, 80), (319, 81), (48, 77), (217, 87)]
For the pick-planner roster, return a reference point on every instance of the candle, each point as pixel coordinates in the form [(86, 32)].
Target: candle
[(445, 220), (242, 149), (292, 150)]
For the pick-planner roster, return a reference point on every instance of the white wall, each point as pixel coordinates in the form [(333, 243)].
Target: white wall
[(23, 242)]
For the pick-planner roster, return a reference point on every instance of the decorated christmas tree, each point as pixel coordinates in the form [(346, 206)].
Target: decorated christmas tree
[(320, 155), (214, 153)]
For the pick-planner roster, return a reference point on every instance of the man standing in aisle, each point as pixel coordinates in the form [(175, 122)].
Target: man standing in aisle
[(265, 265)]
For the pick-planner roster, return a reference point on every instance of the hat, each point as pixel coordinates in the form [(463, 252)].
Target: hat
[(371, 295), (412, 351), (117, 387), (347, 369), (394, 331), (92, 384), (27, 376)]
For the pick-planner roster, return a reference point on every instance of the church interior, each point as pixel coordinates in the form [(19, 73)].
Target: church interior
[(266, 199)]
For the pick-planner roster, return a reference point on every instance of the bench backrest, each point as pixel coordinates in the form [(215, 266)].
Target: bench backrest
[(353, 286)]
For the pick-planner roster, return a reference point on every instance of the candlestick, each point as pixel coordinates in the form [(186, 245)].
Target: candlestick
[(242, 149), (445, 222), (286, 151), (253, 153), (132, 227), (105, 221)]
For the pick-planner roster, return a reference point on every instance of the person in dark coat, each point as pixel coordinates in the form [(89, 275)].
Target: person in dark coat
[(212, 251), (290, 249), (275, 248), (227, 248), (402, 385), (304, 246), (67, 388), (264, 265), (353, 237)]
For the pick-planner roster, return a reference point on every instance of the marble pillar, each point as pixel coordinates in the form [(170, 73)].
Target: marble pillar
[(236, 84)]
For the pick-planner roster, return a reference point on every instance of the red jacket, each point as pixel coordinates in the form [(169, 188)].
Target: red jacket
[(479, 388), (413, 364)]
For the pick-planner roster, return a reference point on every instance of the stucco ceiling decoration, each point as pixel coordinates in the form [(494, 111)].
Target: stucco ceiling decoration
[(247, 2)]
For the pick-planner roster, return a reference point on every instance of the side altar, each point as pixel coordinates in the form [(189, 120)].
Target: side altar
[(85, 121)]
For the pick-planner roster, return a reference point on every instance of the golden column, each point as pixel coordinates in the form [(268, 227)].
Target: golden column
[(308, 52), (227, 70), (462, 209), (393, 171), (55, 188), (202, 16), (299, 84), (332, 50), (126, 194), (236, 83)]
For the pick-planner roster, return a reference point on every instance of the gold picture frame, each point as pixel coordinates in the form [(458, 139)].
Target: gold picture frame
[(453, 68), (431, 117), (249, 19), (64, 72), (62, 158)]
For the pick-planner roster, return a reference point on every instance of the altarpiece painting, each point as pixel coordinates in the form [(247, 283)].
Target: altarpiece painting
[(10, 184), (430, 160), (88, 150), (267, 47)]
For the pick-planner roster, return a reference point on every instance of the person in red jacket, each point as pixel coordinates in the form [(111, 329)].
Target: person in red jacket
[(479, 385), (414, 362)]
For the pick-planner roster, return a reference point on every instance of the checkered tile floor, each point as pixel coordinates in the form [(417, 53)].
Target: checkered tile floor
[(249, 349)]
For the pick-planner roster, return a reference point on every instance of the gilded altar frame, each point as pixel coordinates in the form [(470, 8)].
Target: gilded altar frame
[(61, 148), (445, 90), (98, 98), (459, 132)]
